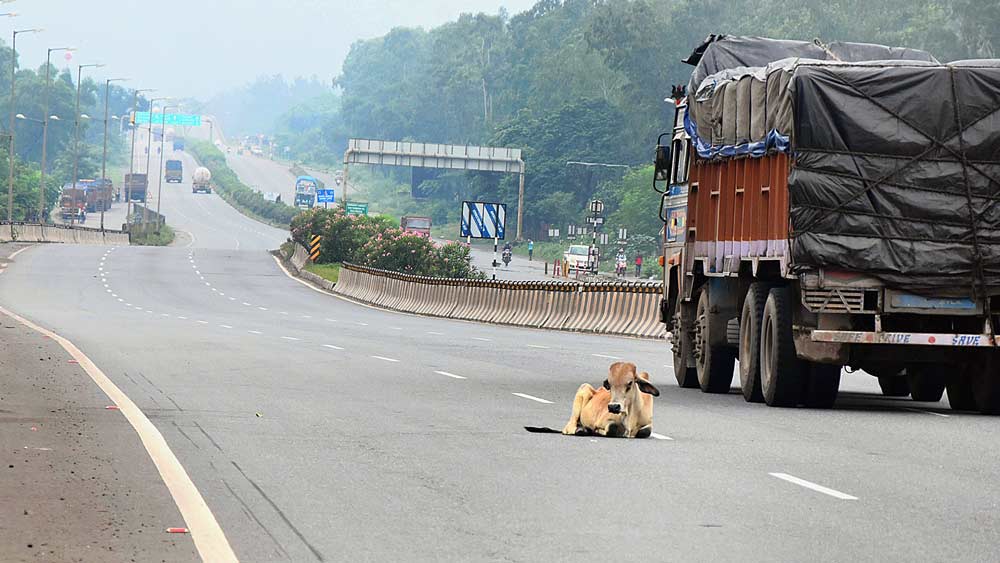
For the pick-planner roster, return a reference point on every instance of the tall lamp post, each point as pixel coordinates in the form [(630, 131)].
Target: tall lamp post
[(104, 157), (10, 154), (76, 125), (45, 127), (163, 140), (131, 158), (43, 123), (149, 147)]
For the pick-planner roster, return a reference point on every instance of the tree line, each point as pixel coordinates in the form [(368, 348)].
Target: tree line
[(583, 81)]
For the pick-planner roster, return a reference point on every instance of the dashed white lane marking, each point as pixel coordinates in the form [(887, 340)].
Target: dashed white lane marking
[(231, 298), (108, 290), (289, 338), (120, 300), (435, 333), (532, 398), (203, 322), (283, 313), (451, 375), (138, 308), (332, 320), (363, 324), (222, 294), (182, 318), (225, 326), (197, 272), (262, 308), (247, 304), (942, 415), (255, 332), (209, 539), (813, 486), (481, 339), (332, 347), (537, 346), (659, 436), (395, 328), (164, 314), (306, 316), (605, 356), (208, 284), (384, 359)]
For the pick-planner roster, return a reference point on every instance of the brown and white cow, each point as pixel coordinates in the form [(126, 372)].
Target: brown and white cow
[(623, 407)]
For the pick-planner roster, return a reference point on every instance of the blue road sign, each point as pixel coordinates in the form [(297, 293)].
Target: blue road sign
[(324, 196), (181, 119), (483, 220)]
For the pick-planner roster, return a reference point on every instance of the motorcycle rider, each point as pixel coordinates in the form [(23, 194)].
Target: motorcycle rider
[(507, 254), (620, 263)]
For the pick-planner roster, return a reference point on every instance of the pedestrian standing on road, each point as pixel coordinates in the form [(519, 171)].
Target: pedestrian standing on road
[(638, 265), (531, 249)]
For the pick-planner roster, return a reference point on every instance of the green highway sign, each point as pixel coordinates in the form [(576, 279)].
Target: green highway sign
[(181, 119), (357, 208)]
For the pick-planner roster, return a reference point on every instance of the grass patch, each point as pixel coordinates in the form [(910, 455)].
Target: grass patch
[(152, 238), (329, 272)]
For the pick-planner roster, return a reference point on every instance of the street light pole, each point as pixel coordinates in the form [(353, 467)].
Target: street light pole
[(76, 128), (149, 147), (131, 158), (163, 140), (45, 129), (10, 154), (104, 157)]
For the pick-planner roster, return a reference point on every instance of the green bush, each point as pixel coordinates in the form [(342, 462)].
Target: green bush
[(231, 189), (375, 242)]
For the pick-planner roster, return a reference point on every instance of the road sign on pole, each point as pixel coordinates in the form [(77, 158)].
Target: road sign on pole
[(314, 247), (484, 220), (325, 196), (357, 208)]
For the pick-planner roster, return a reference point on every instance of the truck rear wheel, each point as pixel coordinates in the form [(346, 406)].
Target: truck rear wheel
[(749, 352), (780, 368), (684, 372), (926, 382), (714, 359), (894, 385), (822, 387), (960, 395)]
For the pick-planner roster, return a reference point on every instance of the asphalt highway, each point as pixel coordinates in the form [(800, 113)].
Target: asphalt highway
[(322, 430)]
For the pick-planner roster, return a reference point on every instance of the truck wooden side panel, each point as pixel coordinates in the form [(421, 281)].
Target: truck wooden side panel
[(738, 208)]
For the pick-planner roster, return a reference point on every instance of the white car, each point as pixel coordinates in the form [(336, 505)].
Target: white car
[(577, 257)]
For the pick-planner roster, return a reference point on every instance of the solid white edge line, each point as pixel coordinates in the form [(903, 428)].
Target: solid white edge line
[(659, 436), (532, 398), (209, 539), (813, 486), (16, 252), (451, 375), (385, 359), (941, 414)]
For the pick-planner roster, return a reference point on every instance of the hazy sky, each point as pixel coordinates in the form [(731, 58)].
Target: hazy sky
[(199, 47)]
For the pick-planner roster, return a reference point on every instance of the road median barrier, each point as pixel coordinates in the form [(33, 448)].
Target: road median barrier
[(67, 234), (619, 308)]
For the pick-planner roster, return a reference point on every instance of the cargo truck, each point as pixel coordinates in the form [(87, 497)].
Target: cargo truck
[(416, 225), (201, 180), (135, 187), (831, 206), (174, 171)]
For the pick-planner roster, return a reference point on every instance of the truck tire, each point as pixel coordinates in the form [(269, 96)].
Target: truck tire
[(894, 385), (749, 352), (986, 386), (714, 359), (926, 382), (960, 395), (822, 387), (687, 377), (781, 379)]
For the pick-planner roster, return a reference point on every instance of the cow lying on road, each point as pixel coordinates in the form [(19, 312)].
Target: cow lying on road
[(623, 407)]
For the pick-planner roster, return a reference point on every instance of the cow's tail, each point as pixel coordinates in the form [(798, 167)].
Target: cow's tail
[(542, 430)]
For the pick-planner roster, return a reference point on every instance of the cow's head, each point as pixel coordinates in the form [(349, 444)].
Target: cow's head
[(625, 386)]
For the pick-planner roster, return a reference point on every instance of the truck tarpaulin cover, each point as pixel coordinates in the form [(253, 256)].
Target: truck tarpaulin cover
[(896, 173)]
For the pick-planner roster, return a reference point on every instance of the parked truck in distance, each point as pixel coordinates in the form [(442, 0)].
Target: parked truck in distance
[(135, 187), (174, 171), (831, 206), (305, 191), (201, 181), (416, 225)]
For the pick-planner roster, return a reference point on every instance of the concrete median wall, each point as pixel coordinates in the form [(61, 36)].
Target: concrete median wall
[(629, 309), (33, 232)]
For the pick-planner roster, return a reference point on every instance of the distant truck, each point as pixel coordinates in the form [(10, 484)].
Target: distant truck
[(135, 187), (826, 206), (416, 225), (201, 181), (174, 171), (305, 191), (90, 195), (178, 144)]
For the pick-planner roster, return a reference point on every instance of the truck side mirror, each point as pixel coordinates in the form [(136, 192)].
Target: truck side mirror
[(662, 164)]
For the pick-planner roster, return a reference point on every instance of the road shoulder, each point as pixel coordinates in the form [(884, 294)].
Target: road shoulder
[(78, 484)]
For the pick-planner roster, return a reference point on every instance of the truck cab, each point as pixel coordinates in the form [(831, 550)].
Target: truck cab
[(416, 225), (174, 171)]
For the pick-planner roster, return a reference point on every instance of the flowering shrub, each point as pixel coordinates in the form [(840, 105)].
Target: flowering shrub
[(375, 242)]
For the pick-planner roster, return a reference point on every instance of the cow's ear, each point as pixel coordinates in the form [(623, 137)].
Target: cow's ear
[(647, 387), (607, 385)]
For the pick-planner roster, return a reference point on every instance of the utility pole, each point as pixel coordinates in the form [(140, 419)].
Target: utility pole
[(10, 154), (131, 158), (45, 129), (76, 125), (104, 157)]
